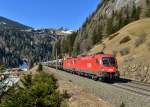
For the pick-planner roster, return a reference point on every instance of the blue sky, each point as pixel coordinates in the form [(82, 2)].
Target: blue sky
[(48, 13)]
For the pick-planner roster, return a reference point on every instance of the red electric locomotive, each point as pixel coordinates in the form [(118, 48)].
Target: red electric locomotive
[(99, 66)]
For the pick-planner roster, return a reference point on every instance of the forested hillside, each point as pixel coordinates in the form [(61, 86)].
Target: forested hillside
[(109, 17), (18, 42), (16, 45), (64, 46)]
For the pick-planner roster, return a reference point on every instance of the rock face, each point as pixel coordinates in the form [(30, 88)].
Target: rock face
[(138, 72), (109, 17)]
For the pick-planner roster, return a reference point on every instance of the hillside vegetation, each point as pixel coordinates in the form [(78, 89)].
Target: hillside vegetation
[(16, 45), (131, 46), (34, 90), (109, 17)]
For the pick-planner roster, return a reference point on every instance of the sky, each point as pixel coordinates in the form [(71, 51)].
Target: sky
[(68, 14)]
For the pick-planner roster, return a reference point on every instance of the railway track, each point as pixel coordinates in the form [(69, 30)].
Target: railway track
[(134, 87), (140, 83)]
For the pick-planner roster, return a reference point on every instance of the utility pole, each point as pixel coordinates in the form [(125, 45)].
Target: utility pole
[(56, 58)]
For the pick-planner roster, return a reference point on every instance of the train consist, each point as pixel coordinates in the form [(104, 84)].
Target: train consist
[(98, 67)]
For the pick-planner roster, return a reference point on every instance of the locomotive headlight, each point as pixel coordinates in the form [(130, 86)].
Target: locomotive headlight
[(110, 70)]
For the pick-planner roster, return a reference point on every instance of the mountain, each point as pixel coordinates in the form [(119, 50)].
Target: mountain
[(109, 17), (18, 42), (10, 24)]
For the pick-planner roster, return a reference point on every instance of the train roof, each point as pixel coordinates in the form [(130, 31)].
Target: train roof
[(89, 56), (105, 55)]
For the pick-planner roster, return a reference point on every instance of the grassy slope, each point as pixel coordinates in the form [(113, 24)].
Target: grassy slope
[(136, 32)]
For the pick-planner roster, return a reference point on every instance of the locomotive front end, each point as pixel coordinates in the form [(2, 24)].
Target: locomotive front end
[(109, 68)]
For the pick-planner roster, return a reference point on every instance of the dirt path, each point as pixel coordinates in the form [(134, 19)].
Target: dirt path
[(79, 98)]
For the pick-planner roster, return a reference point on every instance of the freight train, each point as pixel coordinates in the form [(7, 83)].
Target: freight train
[(98, 67)]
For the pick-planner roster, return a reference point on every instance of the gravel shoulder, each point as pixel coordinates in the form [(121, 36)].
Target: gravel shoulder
[(106, 92), (79, 96)]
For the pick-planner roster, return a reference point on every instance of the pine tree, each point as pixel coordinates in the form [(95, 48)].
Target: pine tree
[(40, 68)]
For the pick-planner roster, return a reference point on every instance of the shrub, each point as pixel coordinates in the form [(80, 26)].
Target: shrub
[(64, 104), (148, 45), (124, 51), (114, 52), (40, 92), (65, 94), (125, 39), (40, 68), (122, 105), (2, 68), (140, 40)]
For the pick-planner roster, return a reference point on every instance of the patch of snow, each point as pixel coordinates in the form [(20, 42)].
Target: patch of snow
[(2, 23), (67, 32)]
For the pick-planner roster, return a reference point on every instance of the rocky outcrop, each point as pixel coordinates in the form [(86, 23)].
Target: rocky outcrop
[(138, 72)]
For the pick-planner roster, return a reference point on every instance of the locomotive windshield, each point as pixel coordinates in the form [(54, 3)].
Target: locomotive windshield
[(109, 61)]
